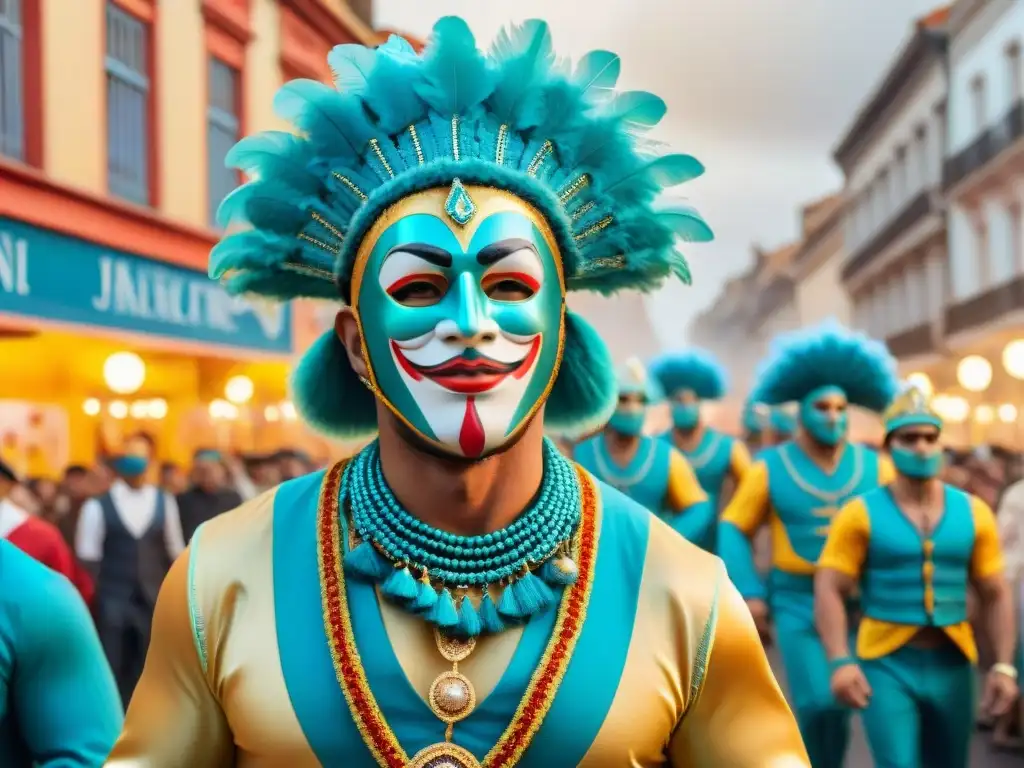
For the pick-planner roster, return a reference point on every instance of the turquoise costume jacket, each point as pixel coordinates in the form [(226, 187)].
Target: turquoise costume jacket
[(59, 705), (710, 461), (644, 479)]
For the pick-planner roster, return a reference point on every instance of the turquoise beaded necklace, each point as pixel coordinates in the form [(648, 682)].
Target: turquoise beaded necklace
[(517, 569)]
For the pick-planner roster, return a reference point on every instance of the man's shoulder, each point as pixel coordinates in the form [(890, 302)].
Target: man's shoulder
[(27, 582)]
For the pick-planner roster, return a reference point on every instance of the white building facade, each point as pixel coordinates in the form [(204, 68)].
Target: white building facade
[(894, 235)]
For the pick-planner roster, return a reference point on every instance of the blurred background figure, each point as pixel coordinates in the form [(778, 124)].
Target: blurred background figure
[(210, 494), (292, 463), (173, 478)]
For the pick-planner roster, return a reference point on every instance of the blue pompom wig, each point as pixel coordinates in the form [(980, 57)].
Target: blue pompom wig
[(693, 370), (829, 355), (397, 123)]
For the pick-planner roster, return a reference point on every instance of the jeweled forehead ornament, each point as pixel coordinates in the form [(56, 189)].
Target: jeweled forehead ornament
[(398, 123)]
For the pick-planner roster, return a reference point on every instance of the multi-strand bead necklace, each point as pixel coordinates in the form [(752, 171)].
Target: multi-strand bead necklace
[(515, 570)]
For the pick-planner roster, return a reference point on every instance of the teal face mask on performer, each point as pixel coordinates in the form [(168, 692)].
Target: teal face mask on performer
[(627, 421), (916, 465), (130, 466), (686, 412), (461, 322), (823, 413)]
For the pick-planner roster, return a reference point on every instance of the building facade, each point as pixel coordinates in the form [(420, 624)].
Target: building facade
[(116, 116), (894, 233), (817, 264)]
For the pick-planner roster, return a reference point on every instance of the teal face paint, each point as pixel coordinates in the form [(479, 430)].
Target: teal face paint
[(916, 465), (628, 422), (828, 427), (463, 343), (686, 416)]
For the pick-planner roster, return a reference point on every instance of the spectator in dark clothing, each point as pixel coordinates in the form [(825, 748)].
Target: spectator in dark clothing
[(210, 494), (293, 464)]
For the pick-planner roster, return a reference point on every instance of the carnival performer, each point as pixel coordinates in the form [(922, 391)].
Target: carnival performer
[(764, 427), (688, 379), (796, 488), (914, 669), (459, 593), (58, 701), (127, 539), (648, 470)]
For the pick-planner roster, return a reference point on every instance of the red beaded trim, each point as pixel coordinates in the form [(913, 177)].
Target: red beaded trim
[(348, 668)]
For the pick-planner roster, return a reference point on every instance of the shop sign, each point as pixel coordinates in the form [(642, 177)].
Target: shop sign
[(50, 276)]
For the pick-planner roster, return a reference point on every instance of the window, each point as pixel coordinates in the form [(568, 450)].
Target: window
[(222, 129), (128, 117), (1014, 214), (1013, 72), (979, 105), (12, 119)]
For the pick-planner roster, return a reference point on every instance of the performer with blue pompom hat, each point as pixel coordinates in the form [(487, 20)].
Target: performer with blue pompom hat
[(764, 427), (688, 379), (648, 470), (796, 488), (913, 550), (458, 594)]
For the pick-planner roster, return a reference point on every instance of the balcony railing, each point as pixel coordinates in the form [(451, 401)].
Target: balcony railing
[(985, 308), (985, 148), (911, 213)]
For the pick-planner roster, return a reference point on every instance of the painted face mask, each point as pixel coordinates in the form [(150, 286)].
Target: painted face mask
[(827, 428), (916, 465), (461, 322)]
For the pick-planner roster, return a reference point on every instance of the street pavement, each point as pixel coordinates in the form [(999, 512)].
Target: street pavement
[(859, 756)]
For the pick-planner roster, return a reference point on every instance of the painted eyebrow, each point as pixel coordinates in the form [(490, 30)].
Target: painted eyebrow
[(497, 251), (439, 257)]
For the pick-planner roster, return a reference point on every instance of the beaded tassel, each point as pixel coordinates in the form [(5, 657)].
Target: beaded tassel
[(469, 619), (400, 585), (489, 618), (366, 562), (443, 613), (426, 597)]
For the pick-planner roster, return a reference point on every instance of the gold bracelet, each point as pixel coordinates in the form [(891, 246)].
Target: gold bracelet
[(1005, 669)]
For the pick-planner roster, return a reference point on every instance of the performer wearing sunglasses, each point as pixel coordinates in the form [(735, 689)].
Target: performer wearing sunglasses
[(459, 593), (913, 548)]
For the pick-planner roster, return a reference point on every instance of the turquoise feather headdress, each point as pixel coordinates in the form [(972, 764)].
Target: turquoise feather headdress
[(694, 370), (398, 123), (829, 355)]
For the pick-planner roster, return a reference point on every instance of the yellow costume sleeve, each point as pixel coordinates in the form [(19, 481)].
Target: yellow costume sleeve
[(683, 487), (173, 719), (750, 504), (848, 537), (739, 460), (886, 470), (739, 718), (987, 558)]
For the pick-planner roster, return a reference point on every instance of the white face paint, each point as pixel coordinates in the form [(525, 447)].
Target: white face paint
[(476, 337)]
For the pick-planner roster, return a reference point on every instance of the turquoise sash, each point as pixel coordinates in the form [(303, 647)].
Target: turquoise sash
[(577, 712)]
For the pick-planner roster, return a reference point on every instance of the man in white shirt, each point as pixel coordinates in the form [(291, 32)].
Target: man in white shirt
[(128, 538)]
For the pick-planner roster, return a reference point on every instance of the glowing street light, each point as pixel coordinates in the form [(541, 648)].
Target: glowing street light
[(974, 373), (124, 373)]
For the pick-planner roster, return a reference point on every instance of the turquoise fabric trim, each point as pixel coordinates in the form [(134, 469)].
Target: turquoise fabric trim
[(916, 419), (195, 611), (703, 655), (317, 700), (592, 677), (737, 551)]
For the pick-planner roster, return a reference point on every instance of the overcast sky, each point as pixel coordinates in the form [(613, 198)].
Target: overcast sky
[(759, 90)]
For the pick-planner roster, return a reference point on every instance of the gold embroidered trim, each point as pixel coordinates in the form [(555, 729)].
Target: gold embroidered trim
[(499, 154), (320, 243), (416, 143), (456, 152), (593, 229), (542, 154), (327, 225), (583, 210), (348, 183), (303, 269), (574, 189), (375, 146)]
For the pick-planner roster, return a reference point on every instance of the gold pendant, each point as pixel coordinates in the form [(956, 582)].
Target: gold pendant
[(444, 756)]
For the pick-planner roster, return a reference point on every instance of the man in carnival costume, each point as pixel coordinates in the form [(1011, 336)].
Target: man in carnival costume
[(688, 379), (648, 470), (59, 705), (914, 669), (764, 427), (796, 488), (458, 594)]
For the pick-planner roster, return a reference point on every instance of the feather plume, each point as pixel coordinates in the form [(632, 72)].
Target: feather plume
[(243, 250), (456, 76), (268, 204), (686, 224), (278, 155), (351, 66), (655, 175), (638, 110), (522, 58), (334, 124), (391, 91), (596, 75)]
